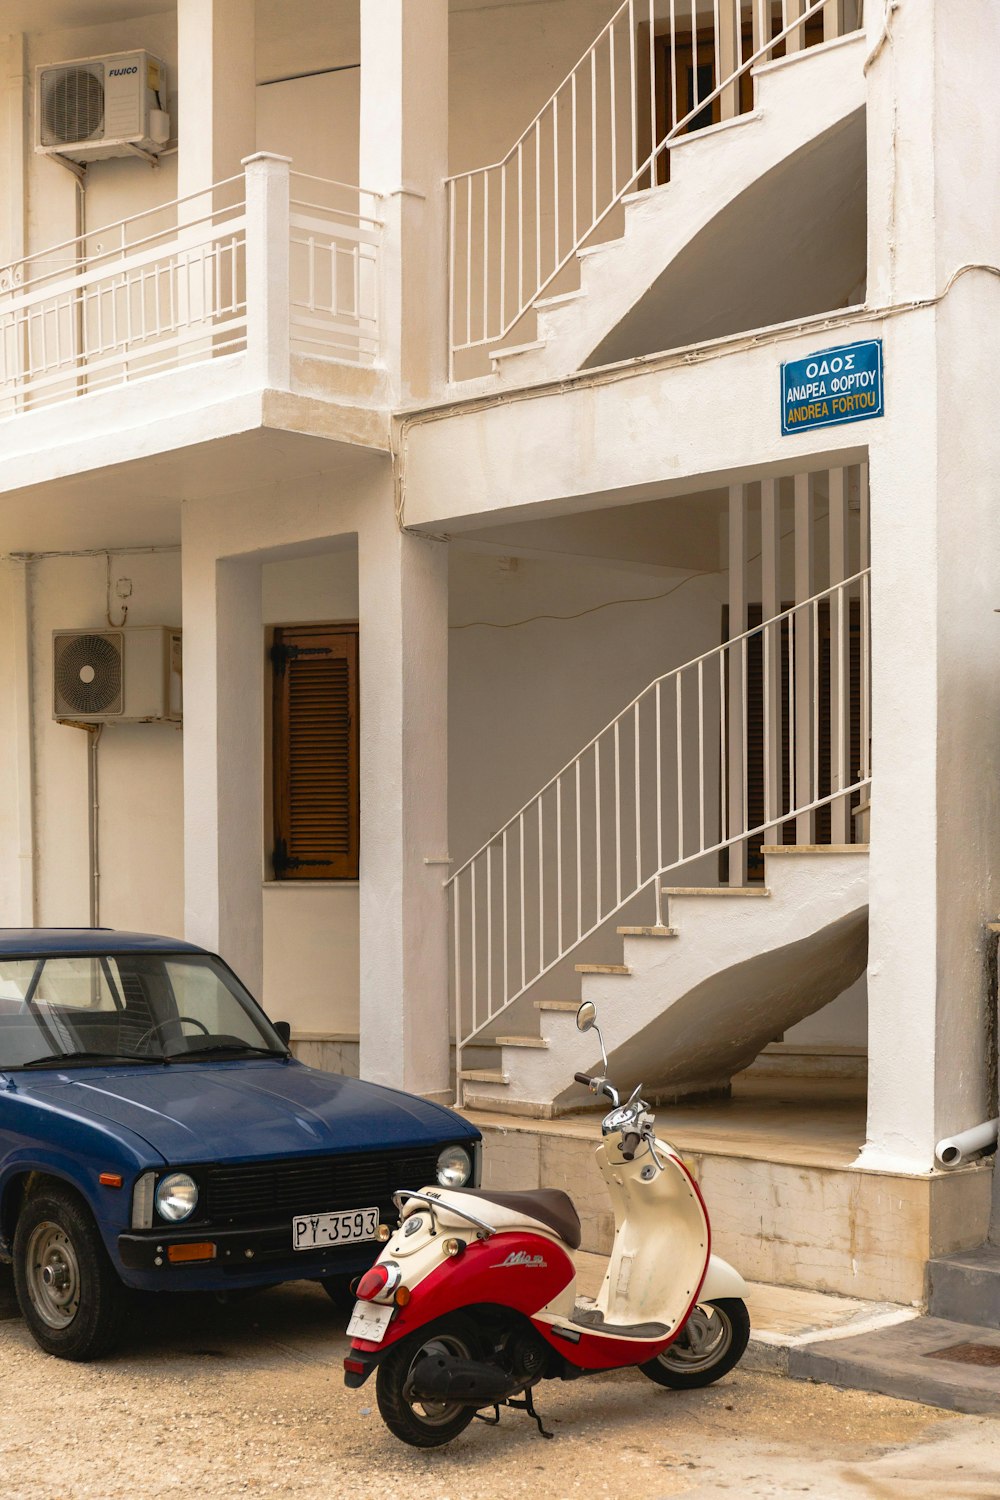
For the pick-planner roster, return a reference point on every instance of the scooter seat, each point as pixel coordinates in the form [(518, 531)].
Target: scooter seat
[(550, 1206)]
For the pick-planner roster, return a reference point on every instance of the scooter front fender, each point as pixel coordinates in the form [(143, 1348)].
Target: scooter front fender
[(721, 1280)]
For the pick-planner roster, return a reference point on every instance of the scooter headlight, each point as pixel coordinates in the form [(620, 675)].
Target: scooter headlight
[(454, 1167)]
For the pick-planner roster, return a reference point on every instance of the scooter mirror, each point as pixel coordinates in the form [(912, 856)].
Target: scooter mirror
[(586, 1016)]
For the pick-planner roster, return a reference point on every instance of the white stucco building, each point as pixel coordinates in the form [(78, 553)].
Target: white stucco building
[(421, 363)]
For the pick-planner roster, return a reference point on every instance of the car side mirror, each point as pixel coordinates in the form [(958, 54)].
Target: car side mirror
[(284, 1030)]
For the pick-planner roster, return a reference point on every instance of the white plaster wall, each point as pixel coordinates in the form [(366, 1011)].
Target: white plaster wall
[(523, 701), (141, 817), (505, 62), (314, 121), (311, 960)]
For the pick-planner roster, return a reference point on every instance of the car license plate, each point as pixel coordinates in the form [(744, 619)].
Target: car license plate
[(320, 1231), (369, 1320)]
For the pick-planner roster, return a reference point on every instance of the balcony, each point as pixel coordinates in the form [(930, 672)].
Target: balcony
[(267, 281)]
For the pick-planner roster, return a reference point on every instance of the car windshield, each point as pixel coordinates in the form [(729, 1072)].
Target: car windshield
[(126, 1008)]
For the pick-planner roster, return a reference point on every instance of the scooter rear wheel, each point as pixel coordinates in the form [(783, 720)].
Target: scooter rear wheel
[(712, 1341), (425, 1424)]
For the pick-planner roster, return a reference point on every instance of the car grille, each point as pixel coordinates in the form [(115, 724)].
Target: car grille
[(261, 1192)]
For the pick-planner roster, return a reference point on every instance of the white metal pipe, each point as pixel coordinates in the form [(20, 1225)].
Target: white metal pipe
[(955, 1149)]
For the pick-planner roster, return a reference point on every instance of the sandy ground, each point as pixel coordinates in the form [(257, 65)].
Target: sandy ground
[(248, 1399)]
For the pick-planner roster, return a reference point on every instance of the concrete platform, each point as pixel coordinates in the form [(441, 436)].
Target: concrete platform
[(932, 1360)]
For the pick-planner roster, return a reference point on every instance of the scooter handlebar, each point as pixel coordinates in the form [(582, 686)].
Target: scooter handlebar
[(582, 1078), (630, 1145)]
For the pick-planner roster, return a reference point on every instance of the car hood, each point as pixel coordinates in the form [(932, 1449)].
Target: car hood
[(246, 1111)]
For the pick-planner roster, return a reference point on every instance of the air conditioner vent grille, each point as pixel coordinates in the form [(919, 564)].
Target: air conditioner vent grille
[(88, 672), (73, 105)]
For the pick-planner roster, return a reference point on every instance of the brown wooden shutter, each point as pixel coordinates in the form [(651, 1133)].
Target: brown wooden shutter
[(315, 719)]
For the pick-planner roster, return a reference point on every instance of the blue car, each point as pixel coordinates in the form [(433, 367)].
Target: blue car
[(157, 1135)]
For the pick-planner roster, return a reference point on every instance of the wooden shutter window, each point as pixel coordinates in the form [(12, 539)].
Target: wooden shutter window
[(315, 719)]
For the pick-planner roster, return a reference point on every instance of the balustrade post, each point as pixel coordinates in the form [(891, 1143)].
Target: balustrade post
[(727, 21), (805, 628), (736, 709), (267, 270)]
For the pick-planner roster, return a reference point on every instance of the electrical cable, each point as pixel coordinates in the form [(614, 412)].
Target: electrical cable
[(640, 599)]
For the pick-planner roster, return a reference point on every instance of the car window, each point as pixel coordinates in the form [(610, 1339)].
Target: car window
[(123, 1008)]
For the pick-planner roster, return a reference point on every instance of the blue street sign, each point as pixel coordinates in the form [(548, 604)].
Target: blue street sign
[(833, 386)]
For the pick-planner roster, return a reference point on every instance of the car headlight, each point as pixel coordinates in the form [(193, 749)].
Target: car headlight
[(454, 1167), (176, 1197)]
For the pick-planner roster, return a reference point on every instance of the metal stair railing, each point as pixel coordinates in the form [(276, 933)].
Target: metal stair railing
[(737, 745), (516, 224)]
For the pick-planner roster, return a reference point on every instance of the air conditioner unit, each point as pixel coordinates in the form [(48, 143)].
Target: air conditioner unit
[(99, 107), (128, 676)]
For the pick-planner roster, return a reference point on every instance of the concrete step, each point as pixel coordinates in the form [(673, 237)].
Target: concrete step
[(521, 1041), (602, 968), (965, 1287), (932, 1360), (716, 890), (483, 1075), (653, 932), (565, 1005), (773, 849)]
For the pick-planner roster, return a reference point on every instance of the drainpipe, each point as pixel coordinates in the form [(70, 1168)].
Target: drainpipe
[(94, 823), (955, 1149), (25, 739)]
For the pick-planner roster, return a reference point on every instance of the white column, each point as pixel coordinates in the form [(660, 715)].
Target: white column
[(934, 472), (216, 90), (404, 157), (223, 753), (13, 133), (267, 266), (403, 596)]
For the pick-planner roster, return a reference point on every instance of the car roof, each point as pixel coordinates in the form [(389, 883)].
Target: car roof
[(77, 942)]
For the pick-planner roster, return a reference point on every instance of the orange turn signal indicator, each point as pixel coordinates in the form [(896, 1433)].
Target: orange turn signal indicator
[(195, 1250), (110, 1179), (402, 1296)]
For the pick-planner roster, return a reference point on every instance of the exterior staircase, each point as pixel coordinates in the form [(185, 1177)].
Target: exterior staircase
[(694, 1002), (811, 97), (552, 246)]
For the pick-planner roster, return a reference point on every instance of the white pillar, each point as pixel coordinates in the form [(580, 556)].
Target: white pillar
[(216, 90), (13, 137), (404, 157), (267, 274), (403, 599), (223, 754), (935, 474)]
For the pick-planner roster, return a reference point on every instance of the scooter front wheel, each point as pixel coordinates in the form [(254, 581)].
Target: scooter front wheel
[(712, 1341), (425, 1424)]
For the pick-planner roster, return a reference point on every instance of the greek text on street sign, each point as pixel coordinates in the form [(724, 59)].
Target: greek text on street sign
[(833, 386)]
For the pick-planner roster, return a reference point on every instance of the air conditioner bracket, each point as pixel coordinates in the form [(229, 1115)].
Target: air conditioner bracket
[(78, 168), (150, 156)]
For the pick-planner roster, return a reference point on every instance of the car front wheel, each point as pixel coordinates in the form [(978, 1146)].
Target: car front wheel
[(67, 1289)]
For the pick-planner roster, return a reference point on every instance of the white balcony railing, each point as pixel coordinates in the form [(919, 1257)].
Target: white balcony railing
[(744, 745), (242, 266), (658, 69)]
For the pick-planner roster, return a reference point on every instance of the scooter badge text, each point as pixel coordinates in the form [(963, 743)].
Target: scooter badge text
[(519, 1258)]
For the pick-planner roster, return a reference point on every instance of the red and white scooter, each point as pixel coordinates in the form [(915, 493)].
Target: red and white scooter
[(473, 1299)]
